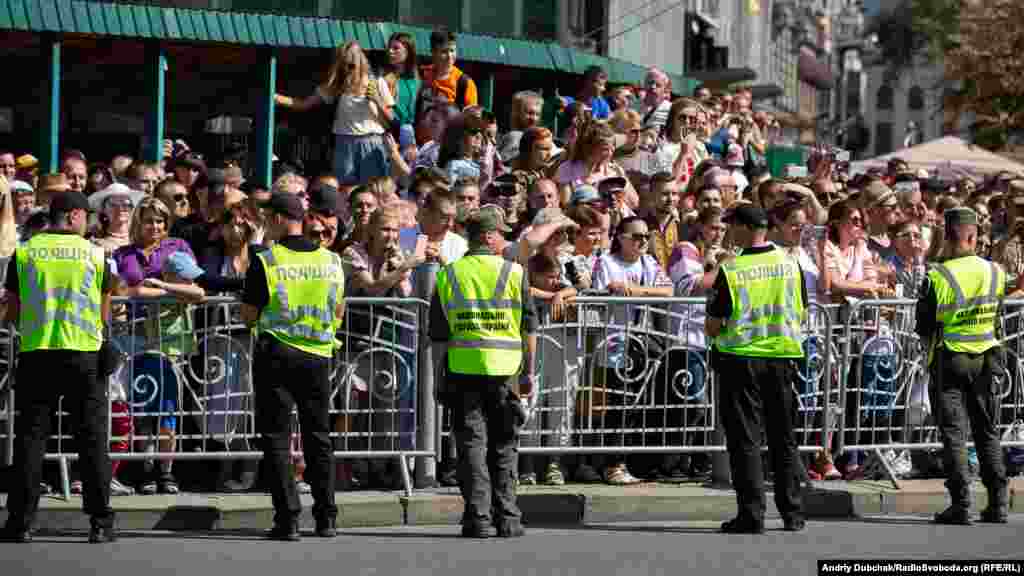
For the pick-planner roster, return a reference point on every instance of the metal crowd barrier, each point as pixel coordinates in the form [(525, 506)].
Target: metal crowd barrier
[(618, 376)]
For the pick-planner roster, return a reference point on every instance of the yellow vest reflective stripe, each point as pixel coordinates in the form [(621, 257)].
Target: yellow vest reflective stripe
[(967, 294), (60, 285), (483, 302), (767, 307), (304, 291)]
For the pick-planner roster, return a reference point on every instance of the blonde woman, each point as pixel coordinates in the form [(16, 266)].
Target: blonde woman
[(363, 114), (591, 162)]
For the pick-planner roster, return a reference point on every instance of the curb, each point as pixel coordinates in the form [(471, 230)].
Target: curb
[(541, 506)]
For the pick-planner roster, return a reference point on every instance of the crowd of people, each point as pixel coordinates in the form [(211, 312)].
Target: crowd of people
[(631, 199)]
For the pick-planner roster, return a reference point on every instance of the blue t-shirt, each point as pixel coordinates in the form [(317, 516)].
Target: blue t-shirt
[(599, 107)]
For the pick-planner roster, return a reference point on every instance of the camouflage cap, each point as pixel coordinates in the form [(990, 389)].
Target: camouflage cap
[(960, 216), (489, 218)]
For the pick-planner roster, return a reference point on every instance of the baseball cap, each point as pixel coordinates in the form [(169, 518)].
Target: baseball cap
[(494, 212), (613, 184), (21, 187), (551, 215), (960, 216), (323, 199), (584, 193), (747, 215), (183, 265), (64, 202), (878, 194), (26, 162), (288, 205)]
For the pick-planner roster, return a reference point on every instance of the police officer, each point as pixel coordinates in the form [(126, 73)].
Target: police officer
[(294, 293), (483, 311), (755, 315), (58, 290), (958, 315)]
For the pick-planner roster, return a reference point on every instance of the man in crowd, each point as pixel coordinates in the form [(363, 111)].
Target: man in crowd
[(75, 168), (444, 80), (657, 100)]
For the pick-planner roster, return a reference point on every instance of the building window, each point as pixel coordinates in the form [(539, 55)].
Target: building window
[(883, 100), (915, 100), (883, 138)]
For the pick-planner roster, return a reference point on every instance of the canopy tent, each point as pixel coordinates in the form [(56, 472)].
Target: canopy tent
[(947, 157)]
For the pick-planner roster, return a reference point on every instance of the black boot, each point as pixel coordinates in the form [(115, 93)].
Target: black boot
[(743, 526), (102, 530), (997, 511), (287, 531), (325, 528), (15, 532), (955, 515)]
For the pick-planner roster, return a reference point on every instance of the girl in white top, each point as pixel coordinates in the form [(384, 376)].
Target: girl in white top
[(362, 115)]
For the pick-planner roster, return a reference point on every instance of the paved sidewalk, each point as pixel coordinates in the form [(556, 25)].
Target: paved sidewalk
[(572, 504)]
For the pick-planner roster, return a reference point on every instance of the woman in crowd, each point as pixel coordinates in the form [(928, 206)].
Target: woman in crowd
[(628, 270), (144, 259), (362, 205), (591, 162), (678, 151), (379, 268), (535, 149), (387, 193), (403, 78), (850, 268), (362, 116), (461, 144), (114, 223)]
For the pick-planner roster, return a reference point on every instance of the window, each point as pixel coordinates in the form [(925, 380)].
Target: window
[(883, 100), (883, 138), (915, 100)]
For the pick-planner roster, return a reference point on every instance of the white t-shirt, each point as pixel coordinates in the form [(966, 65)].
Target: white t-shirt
[(356, 115), (644, 272), (453, 246)]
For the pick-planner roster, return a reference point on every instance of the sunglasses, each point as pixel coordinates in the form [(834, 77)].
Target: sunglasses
[(322, 233), (506, 191), (180, 198), (638, 237), (121, 205), (911, 235)]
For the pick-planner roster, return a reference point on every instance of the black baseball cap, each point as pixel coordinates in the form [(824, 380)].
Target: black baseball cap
[(288, 205), (323, 199), (64, 202), (747, 215)]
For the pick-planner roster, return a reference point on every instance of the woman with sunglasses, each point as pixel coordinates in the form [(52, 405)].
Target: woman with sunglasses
[(363, 114), (628, 270), (461, 145), (850, 266), (114, 223)]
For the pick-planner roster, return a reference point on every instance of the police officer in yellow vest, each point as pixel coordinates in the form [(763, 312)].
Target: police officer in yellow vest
[(958, 316), (294, 293), (482, 309), (755, 314), (58, 289)]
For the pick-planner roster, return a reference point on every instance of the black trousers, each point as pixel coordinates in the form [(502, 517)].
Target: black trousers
[(486, 441), (965, 387), (42, 377), (283, 377), (753, 390)]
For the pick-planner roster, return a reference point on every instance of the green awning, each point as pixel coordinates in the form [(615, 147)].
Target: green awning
[(236, 27)]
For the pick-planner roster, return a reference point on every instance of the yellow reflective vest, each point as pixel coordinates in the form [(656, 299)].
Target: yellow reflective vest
[(482, 298), (767, 307), (967, 292), (305, 288), (60, 286)]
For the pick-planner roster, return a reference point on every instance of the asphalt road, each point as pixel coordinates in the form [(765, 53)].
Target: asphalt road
[(634, 549)]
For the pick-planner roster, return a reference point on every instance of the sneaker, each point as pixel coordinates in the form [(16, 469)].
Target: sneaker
[(826, 468), (118, 489), (102, 531), (953, 516), (528, 479), (303, 487), (286, 532), (148, 488), (44, 488), (620, 476), (553, 476), (76, 487)]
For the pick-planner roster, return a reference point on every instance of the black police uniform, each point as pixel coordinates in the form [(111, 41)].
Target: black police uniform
[(284, 376)]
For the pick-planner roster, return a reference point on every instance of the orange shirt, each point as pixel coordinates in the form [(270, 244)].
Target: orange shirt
[(447, 86)]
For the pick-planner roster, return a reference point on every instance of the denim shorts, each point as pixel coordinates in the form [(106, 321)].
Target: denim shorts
[(359, 158)]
